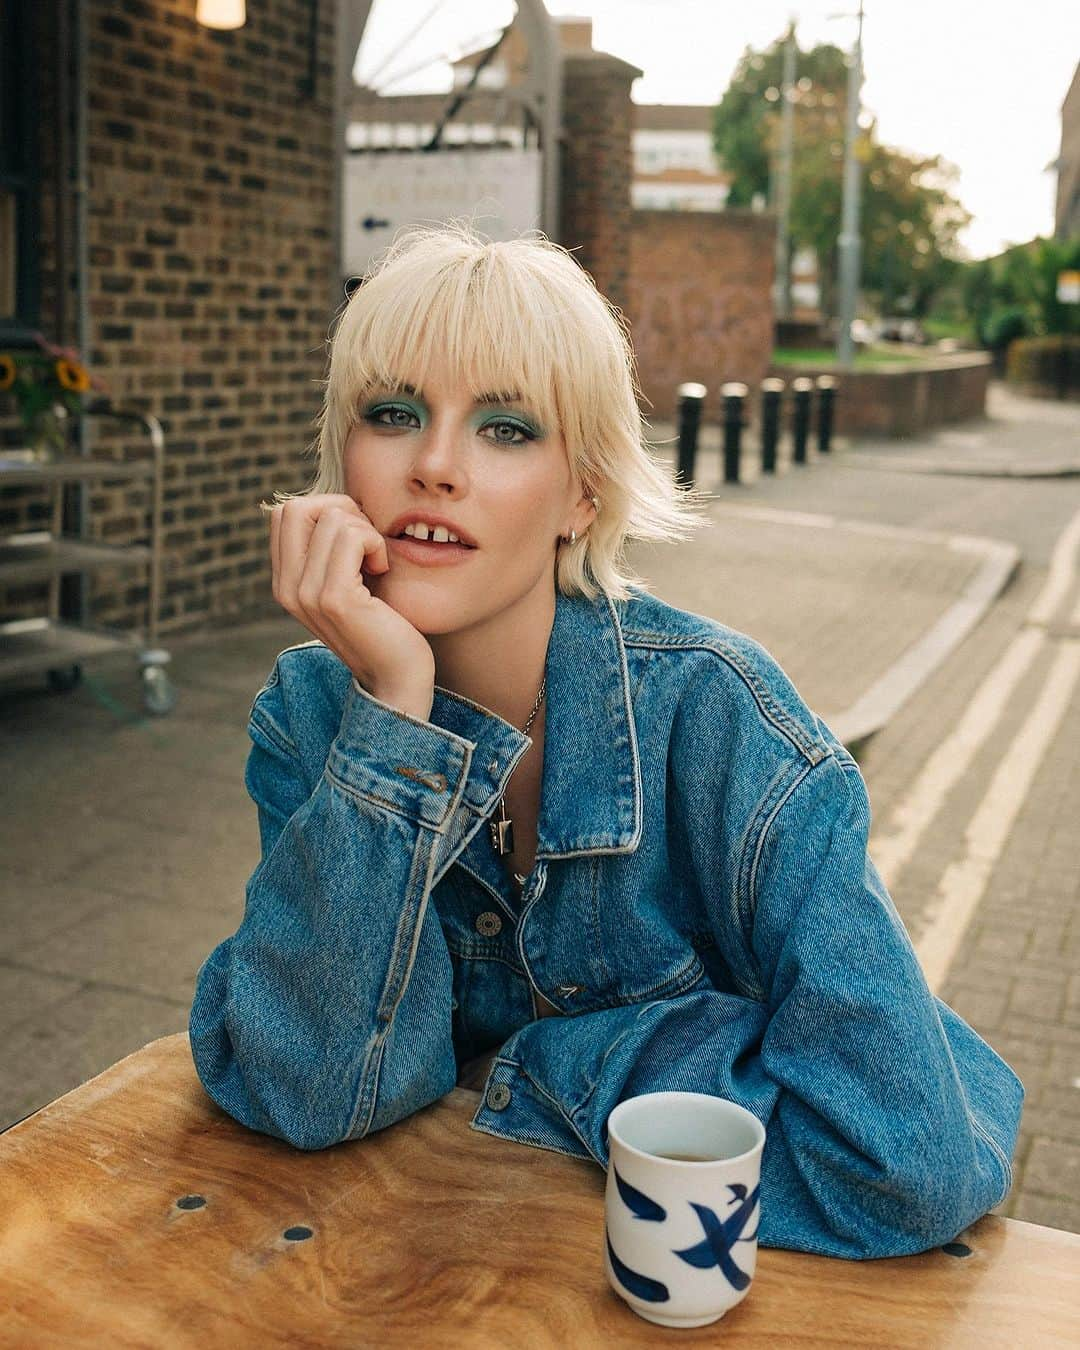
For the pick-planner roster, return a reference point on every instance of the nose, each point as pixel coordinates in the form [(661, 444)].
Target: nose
[(438, 464)]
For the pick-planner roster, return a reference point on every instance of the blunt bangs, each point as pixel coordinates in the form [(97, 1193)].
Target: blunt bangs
[(469, 322)]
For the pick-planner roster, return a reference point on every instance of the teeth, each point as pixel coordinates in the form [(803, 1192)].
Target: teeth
[(438, 534)]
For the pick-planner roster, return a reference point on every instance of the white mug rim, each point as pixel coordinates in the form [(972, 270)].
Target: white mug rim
[(745, 1156)]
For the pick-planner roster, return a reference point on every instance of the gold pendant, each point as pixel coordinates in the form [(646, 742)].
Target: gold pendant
[(502, 831)]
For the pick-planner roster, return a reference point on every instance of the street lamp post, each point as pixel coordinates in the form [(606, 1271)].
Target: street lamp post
[(849, 243), (782, 204)]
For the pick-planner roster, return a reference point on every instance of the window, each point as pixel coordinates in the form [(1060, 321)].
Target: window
[(19, 174)]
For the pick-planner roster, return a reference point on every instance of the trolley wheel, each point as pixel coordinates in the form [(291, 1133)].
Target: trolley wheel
[(63, 679), (159, 692)]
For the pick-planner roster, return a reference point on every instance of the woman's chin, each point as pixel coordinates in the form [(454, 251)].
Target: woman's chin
[(430, 611)]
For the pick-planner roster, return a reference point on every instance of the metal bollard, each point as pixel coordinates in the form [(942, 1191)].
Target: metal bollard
[(826, 398), (734, 396), (772, 390), (801, 388), (691, 397)]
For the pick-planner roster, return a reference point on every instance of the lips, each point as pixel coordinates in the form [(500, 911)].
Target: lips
[(426, 553)]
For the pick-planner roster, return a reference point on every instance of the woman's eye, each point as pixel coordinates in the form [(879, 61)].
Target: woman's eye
[(509, 433), (392, 416)]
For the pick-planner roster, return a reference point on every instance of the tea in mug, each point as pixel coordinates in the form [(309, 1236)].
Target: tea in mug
[(688, 1157)]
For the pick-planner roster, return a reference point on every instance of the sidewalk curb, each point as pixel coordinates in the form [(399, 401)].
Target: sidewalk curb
[(869, 714), (892, 463)]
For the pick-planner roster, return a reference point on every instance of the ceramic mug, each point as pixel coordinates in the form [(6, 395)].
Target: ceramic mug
[(681, 1206)]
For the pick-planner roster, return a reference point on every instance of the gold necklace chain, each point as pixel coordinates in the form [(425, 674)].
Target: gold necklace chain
[(502, 830), (536, 706)]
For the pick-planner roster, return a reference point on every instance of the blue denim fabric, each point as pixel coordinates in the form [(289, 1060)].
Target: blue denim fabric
[(702, 908)]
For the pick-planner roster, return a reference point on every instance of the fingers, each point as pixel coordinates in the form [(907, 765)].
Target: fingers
[(303, 532), (340, 584)]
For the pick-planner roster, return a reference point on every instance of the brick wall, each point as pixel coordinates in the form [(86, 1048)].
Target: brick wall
[(700, 302), (211, 251), (906, 401), (597, 167)]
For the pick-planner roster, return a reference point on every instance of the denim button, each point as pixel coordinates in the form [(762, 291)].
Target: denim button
[(498, 1097), (488, 924)]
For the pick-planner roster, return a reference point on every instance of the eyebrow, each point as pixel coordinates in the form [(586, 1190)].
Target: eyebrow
[(496, 396)]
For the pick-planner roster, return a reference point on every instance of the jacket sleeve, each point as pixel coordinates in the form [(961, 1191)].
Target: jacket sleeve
[(327, 1014), (889, 1123)]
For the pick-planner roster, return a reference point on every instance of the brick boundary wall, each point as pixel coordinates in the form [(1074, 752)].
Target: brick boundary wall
[(905, 402), (211, 250), (700, 303)]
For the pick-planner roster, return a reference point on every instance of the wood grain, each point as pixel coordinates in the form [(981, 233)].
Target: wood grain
[(428, 1235)]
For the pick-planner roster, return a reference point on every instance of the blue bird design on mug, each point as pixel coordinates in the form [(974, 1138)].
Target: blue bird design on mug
[(641, 1286), (714, 1249), (721, 1236), (638, 1203)]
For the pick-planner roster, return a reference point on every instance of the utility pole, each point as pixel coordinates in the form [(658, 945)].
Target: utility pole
[(849, 242), (782, 204)]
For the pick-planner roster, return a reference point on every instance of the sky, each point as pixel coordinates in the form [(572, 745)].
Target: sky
[(979, 82)]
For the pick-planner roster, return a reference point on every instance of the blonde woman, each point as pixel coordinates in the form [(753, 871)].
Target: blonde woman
[(524, 824)]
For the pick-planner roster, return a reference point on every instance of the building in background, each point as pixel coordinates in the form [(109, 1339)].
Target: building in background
[(1067, 205), (675, 167)]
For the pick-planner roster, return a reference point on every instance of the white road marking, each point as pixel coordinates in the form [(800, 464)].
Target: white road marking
[(953, 757), (1061, 574), (962, 886)]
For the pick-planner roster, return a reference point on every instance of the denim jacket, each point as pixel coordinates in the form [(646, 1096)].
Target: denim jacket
[(702, 909)]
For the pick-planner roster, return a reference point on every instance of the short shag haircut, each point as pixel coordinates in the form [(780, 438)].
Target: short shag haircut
[(518, 314)]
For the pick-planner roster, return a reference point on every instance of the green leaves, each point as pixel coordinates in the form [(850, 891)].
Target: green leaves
[(910, 217)]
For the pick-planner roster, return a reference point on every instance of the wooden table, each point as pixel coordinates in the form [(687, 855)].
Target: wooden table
[(134, 1213)]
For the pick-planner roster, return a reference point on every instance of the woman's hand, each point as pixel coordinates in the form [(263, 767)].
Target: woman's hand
[(319, 546)]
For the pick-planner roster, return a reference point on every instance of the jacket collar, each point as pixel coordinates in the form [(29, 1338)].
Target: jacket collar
[(591, 800)]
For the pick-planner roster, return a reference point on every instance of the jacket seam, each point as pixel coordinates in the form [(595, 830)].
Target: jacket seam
[(998, 1152), (812, 749), (767, 827), (534, 1140), (397, 957), (261, 720), (674, 984), (369, 1086), (483, 956)]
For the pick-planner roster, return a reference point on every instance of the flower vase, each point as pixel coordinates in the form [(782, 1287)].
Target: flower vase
[(46, 434)]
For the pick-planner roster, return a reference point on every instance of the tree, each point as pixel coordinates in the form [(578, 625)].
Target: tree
[(910, 218), (1015, 294)]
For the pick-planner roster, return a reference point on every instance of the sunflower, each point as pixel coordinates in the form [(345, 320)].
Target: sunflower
[(72, 376), (7, 371)]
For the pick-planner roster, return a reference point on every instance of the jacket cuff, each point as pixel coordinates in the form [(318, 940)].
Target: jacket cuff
[(533, 1116), (397, 762), (423, 769)]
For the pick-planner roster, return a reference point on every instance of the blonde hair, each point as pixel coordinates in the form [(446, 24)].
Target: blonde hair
[(518, 314)]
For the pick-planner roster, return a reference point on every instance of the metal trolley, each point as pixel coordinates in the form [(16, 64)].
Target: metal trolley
[(57, 646)]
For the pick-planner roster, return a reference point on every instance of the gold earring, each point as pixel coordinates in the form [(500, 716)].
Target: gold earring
[(570, 538)]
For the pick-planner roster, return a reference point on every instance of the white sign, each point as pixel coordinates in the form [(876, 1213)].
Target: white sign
[(498, 190), (1068, 288)]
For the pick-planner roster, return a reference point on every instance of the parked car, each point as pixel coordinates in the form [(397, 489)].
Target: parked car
[(901, 330)]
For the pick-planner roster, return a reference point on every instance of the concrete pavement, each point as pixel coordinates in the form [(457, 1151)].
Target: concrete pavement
[(128, 841)]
